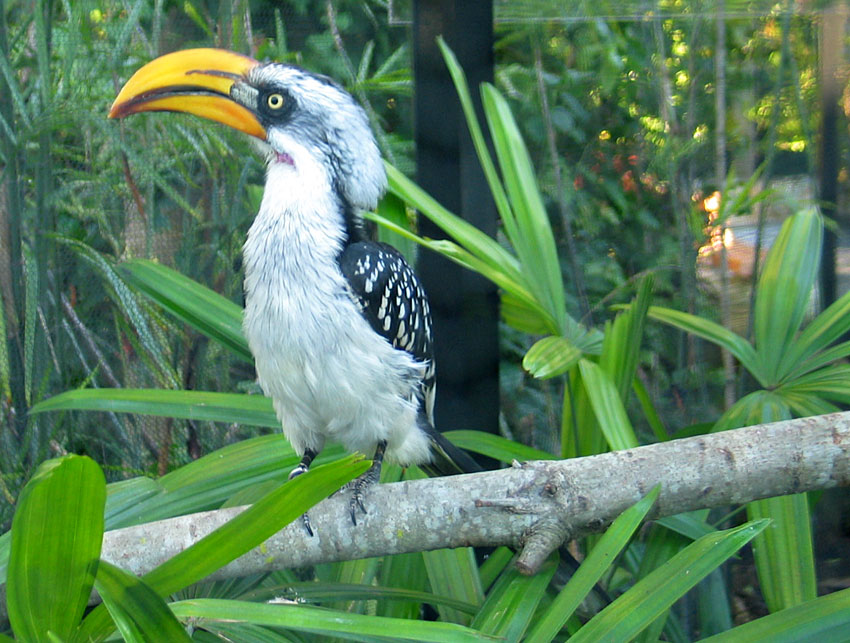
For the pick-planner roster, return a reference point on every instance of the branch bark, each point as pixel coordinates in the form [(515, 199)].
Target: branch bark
[(533, 506)]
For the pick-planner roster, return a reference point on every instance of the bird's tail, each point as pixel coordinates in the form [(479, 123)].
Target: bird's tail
[(447, 459)]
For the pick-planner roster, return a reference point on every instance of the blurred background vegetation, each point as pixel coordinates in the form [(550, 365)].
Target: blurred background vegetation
[(618, 105)]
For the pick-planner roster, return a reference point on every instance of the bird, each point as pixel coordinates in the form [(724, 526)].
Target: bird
[(339, 325)]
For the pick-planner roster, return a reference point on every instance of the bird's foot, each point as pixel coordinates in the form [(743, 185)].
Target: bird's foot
[(359, 485), (304, 467)]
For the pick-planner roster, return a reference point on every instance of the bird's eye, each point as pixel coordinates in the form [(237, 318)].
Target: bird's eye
[(274, 101)]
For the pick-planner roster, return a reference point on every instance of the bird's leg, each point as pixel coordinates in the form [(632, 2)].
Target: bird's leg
[(372, 476), (304, 467)]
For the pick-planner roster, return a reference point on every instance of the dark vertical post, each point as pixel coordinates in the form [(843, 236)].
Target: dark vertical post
[(465, 306), (830, 57)]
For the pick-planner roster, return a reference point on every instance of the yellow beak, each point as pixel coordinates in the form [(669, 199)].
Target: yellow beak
[(196, 81)]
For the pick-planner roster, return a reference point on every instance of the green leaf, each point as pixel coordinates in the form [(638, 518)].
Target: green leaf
[(513, 600), (242, 533), (759, 407), (324, 622), (608, 407), (56, 537), (597, 562), (623, 337), (824, 619), (715, 333), (784, 553), (205, 310), (651, 596), (495, 446), (550, 357), (138, 612), (255, 410), (832, 324), (467, 235), (784, 290), (533, 239)]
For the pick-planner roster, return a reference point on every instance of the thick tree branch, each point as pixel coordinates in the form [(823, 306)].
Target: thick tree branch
[(534, 506)]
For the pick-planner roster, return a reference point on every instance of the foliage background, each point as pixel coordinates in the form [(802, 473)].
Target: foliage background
[(620, 118)]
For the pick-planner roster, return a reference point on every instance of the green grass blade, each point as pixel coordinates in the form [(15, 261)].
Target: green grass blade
[(511, 603), (477, 134), (138, 612), (608, 407), (205, 310), (452, 573), (829, 326), (495, 446), (716, 334), (534, 241), (825, 619), (324, 622), (255, 410), (623, 339), (55, 547), (652, 595), (784, 553), (598, 561), (464, 233), (242, 533), (784, 290)]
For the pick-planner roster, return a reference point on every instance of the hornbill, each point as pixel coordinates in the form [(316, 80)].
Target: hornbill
[(339, 325)]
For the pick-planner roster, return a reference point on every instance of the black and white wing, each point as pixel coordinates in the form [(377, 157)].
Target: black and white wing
[(392, 300)]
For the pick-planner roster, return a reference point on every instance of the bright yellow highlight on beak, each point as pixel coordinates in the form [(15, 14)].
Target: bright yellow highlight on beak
[(196, 81)]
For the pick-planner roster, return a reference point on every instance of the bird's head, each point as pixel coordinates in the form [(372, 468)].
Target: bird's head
[(302, 118)]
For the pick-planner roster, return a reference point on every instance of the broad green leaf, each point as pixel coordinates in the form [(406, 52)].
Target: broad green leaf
[(784, 552), (467, 235), (532, 240), (317, 591), (452, 573), (492, 567), (819, 360), (715, 333), (608, 407), (324, 622), (623, 337), (690, 525), (550, 357), (825, 619), (244, 532), (651, 596), (649, 412), (476, 133), (525, 317), (512, 601), (207, 482), (597, 562), (255, 410), (468, 260), (831, 382), (138, 612), (405, 575), (205, 310), (55, 547), (829, 326), (495, 446), (784, 290), (759, 407)]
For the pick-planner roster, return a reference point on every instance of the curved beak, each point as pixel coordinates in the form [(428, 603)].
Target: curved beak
[(196, 81)]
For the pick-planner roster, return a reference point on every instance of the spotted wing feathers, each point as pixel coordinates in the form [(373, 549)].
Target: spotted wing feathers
[(392, 300)]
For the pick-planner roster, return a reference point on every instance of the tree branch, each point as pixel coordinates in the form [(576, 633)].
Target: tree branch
[(534, 506)]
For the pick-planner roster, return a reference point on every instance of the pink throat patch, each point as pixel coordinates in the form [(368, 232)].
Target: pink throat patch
[(283, 157)]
